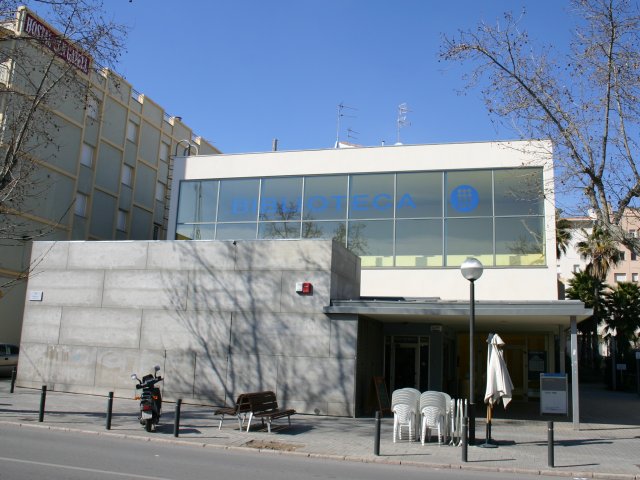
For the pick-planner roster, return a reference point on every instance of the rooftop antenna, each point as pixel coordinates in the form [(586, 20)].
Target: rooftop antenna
[(341, 107), (402, 121), (351, 133)]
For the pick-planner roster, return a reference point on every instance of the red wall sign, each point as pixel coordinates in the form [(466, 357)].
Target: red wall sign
[(54, 42)]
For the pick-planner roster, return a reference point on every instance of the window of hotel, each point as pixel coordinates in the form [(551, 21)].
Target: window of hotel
[(126, 176), (620, 277), (576, 269), (634, 277), (621, 255), (121, 220), (238, 200), (633, 233), (197, 201), (93, 107), (371, 196), (468, 194), (634, 256), (280, 199), (86, 155), (160, 191), (80, 207), (164, 152), (132, 131), (325, 197)]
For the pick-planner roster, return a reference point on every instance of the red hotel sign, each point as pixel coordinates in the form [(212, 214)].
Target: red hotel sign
[(61, 47)]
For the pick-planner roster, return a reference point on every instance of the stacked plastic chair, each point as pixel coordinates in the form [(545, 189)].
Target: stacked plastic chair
[(433, 409), (404, 405)]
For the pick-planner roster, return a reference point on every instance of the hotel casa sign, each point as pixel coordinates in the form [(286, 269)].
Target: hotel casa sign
[(57, 44)]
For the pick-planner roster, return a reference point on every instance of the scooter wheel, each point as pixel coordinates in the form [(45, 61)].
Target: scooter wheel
[(148, 425)]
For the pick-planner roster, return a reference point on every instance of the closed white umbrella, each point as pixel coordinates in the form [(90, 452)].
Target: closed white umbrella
[(499, 385)]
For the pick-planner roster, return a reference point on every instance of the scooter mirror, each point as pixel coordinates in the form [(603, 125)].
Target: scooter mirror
[(156, 368), (134, 376)]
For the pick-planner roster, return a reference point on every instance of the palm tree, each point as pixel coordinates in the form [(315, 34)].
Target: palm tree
[(590, 290), (600, 249), (563, 235), (622, 305)]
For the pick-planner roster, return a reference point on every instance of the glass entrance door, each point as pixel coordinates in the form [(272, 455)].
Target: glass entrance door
[(407, 362)]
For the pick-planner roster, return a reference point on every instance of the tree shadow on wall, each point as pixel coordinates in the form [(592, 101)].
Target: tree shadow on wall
[(240, 332)]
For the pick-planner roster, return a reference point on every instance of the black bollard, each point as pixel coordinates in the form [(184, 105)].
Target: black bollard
[(376, 440), (176, 419), (43, 399), (109, 410), (13, 379), (465, 426), (550, 443)]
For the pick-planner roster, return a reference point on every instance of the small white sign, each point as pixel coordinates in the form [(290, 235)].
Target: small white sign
[(35, 295), (621, 366)]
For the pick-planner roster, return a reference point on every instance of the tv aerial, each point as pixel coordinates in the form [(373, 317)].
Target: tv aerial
[(402, 121), (341, 113)]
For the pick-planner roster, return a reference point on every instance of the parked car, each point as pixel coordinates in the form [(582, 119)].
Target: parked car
[(8, 358)]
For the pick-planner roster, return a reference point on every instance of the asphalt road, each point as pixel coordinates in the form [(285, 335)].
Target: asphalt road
[(28, 453)]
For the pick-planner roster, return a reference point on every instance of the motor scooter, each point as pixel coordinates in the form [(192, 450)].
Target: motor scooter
[(150, 399)]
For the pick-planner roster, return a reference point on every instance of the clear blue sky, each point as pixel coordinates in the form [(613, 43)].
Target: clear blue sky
[(242, 72)]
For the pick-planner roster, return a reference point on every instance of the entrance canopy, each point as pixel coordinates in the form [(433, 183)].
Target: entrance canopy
[(490, 315)]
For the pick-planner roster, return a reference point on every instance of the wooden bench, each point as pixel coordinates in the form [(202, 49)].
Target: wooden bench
[(240, 410), (264, 405)]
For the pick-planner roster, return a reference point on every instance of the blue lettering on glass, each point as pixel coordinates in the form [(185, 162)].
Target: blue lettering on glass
[(339, 199), (377, 203), (317, 203), (406, 201), (464, 198), (359, 202)]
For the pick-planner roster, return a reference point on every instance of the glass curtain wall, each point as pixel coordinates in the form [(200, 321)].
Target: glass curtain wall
[(402, 220)]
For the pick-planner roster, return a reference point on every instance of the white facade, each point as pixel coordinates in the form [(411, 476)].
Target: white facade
[(533, 282)]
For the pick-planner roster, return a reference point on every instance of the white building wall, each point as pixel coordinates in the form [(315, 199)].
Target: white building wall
[(500, 283)]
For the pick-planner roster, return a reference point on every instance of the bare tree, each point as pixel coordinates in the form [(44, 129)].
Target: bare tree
[(584, 101), (46, 65)]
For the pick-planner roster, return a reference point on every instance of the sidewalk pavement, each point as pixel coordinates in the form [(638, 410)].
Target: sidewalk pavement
[(607, 445)]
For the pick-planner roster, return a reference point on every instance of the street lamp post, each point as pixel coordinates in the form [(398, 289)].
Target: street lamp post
[(471, 269)]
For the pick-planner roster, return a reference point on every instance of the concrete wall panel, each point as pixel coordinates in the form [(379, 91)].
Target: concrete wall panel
[(179, 255), (69, 288), (251, 373), (148, 288), (102, 327), (291, 334), (279, 255), (107, 255), (210, 379), (344, 336), (296, 302), (41, 324), (199, 332), (312, 383), (114, 367), (49, 255), (179, 375)]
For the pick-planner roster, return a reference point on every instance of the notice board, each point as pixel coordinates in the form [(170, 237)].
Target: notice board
[(384, 404)]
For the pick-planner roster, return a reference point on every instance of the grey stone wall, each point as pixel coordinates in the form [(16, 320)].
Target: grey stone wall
[(220, 318)]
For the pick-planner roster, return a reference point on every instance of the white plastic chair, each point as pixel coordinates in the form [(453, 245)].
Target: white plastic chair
[(448, 414), (433, 408), (404, 405)]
